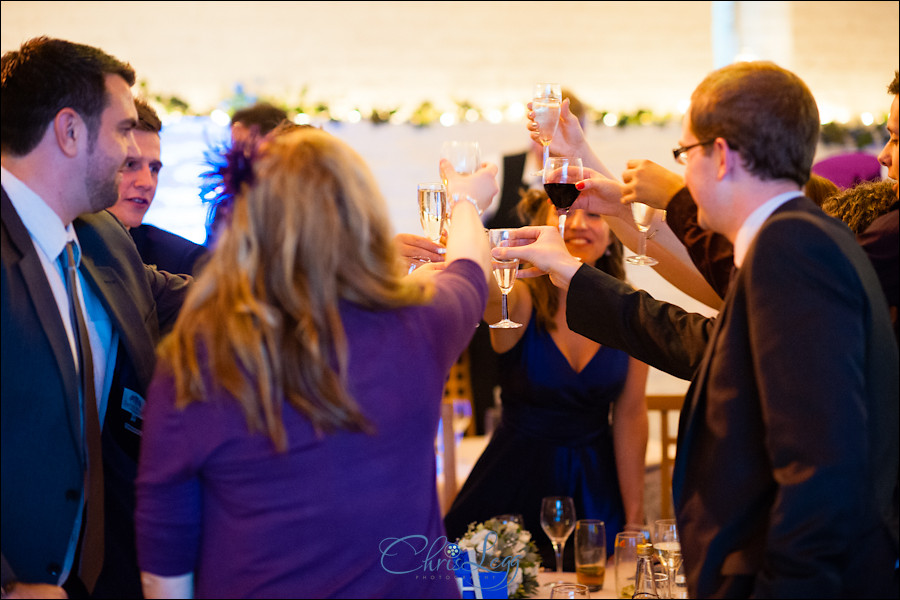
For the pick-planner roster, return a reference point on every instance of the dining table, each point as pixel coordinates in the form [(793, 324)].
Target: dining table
[(547, 578)]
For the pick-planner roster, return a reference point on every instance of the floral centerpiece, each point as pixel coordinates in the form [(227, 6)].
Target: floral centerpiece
[(506, 543)]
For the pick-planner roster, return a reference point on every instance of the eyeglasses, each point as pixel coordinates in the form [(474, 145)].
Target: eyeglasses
[(680, 153)]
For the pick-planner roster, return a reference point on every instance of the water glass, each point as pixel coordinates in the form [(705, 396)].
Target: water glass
[(625, 554), (590, 553), (569, 590)]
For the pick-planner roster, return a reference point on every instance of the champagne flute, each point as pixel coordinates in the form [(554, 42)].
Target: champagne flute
[(643, 216), (546, 106), (505, 272), (560, 175), (558, 522), (433, 209), (464, 156)]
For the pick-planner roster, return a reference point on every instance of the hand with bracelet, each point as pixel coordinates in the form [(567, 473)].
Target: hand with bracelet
[(479, 187)]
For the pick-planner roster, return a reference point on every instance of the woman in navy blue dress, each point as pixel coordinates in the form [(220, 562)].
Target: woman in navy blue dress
[(574, 420)]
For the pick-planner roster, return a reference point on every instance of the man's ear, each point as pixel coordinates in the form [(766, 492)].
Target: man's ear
[(726, 158), (68, 129)]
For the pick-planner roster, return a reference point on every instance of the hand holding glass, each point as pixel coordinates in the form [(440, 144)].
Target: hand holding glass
[(505, 272), (560, 175)]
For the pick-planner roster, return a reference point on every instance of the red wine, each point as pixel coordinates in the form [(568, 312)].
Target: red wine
[(562, 194)]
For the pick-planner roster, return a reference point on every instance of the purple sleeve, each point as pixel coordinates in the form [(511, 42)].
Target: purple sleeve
[(167, 518), (460, 300)]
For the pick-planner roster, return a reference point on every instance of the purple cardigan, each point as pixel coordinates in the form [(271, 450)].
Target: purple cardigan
[(320, 519)]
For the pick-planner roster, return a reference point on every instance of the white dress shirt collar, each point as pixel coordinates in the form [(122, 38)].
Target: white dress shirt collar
[(747, 233), (44, 225)]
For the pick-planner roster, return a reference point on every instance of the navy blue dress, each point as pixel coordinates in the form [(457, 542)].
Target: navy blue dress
[(554, 439)]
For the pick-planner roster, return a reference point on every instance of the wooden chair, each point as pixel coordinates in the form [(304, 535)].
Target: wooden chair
[(669, 437)]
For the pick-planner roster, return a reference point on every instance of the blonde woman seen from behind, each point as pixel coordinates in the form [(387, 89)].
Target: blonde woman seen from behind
[(282, 450)]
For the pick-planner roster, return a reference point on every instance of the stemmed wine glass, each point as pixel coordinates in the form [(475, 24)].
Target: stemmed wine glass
[(505, 272), (464, 156), (667, 545), (643, 216), (560, 175), (546, 106), (558, 522)]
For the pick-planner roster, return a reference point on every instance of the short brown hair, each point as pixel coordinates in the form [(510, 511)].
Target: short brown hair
[(765, 113), (148, 120)]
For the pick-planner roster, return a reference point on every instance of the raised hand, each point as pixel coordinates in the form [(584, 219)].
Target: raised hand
[(480, 185), (545, 250), (648, 183), (601, 195)]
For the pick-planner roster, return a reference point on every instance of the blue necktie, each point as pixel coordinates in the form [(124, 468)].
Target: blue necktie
[(92, 533)]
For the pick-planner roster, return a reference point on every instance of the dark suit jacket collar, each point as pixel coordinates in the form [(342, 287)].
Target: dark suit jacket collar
[(22, 256)]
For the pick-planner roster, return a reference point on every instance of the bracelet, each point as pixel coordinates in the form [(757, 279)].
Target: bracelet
[(457, 198)]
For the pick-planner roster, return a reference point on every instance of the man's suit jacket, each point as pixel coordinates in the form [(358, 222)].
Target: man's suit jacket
[(42, 465), (165, 250), (787, 457)]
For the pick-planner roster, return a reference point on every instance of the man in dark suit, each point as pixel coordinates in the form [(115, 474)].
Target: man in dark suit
[(74, 372), (786, 472), (137, 188)]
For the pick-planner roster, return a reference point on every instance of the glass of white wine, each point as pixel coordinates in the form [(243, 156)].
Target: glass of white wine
[(546, 106), (505, 272), (667, 546), (433, 209), (643, 217)]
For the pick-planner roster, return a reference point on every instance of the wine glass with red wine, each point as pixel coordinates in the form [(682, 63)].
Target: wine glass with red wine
[(561, 173)]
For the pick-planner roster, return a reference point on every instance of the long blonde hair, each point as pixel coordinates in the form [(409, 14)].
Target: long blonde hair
[(264, 315)]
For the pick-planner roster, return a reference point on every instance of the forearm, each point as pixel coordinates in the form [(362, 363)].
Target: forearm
[(467, 238), (630, 433), (611, 312)]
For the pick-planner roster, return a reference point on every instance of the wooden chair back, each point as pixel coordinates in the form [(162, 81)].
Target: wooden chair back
[(666, 405)]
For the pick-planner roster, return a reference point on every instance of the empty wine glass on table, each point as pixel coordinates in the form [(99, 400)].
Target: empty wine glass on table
[(643, 217), (560, 175), (558, 522), (505, 272), (546, 106)]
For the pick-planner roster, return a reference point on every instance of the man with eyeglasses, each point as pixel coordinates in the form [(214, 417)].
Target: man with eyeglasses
[(786, 472)]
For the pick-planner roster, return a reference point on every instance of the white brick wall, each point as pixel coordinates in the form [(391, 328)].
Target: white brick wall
[(616, 55)]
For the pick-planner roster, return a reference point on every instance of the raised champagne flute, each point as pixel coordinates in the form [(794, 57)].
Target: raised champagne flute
[(505, 272), (643, 217), (560, 175), (546, 106), (558, 522), (433, 209)]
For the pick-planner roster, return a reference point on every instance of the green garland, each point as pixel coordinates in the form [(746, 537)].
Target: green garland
[(857, 135)]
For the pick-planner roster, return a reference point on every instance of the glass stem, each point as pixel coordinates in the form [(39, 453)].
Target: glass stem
[(642, 244), (546, 153), (558, 548), (562, 225), (503, 309)]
